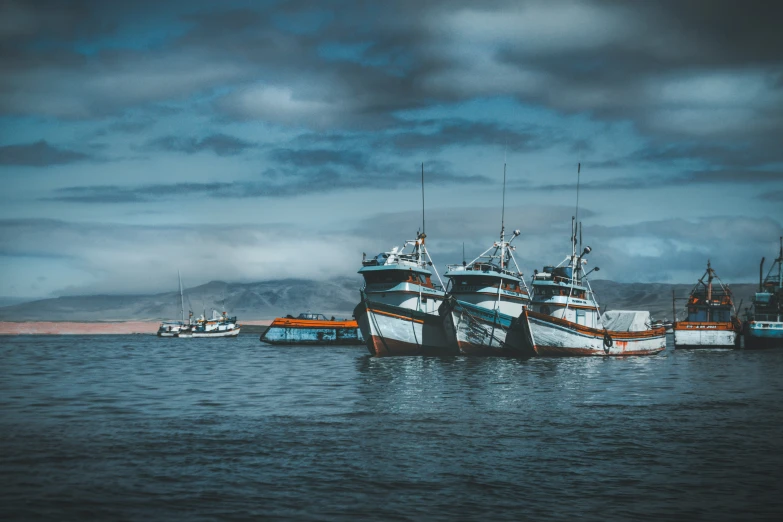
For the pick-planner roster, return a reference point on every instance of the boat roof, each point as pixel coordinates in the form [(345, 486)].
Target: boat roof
[(493, 262), (547, 282), (398, 259), (481, 270)]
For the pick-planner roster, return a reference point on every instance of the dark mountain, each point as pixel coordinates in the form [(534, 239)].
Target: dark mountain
[(248, 301), (269, 299)]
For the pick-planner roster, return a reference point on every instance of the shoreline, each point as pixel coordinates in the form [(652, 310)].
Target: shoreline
[(96, 328)]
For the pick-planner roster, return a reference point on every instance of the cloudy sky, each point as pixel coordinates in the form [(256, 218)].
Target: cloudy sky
[(254, 140)]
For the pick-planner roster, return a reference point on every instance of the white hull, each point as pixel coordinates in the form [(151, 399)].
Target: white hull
[(216, 333), (480, 332), (548, 336), (392, 330), (704, 338)]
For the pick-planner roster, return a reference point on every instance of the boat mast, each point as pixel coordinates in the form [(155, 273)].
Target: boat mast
[(503, 224), (709, 291), (423, 228), (181, 298), (574, 226), (780, 264)]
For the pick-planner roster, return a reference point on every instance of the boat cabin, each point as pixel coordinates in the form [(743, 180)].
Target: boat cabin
[(403, 279)]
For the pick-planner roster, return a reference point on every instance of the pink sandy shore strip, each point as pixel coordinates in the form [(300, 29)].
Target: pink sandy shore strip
[(70, 328)]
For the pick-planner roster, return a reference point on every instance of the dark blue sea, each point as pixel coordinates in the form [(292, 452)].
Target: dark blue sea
[(141, 428)]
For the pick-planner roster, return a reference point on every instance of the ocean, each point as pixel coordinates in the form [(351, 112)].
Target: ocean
[(140, 428)]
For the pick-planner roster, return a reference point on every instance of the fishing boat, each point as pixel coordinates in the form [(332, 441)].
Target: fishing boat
[(219, 325), (177, 328), (310, 328), (763, 326), (485, 299), (564, 318), (711, 321), (398, 312)]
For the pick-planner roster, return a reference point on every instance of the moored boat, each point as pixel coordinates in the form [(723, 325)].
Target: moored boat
[(398, 312), (564, 318), (486, 298), (219, 325), (710, 321), (309, 328), (177, 328), (763, 327)]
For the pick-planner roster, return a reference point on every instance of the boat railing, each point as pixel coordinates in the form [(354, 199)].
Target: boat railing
[(764, 317)]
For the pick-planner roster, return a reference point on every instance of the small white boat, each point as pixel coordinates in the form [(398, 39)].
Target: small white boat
[(219, 325), (176, 328)]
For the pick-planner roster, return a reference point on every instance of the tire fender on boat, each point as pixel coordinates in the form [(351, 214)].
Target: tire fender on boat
[(608, 342)]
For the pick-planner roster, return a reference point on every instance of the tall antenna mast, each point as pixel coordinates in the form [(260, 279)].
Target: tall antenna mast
[(503, 223), (578, 172), (503, 211), (422, 198), (181, 298)]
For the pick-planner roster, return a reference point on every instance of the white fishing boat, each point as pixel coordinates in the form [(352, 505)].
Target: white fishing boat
[(564, 318), (398, 312), (176, 328), (219, 325), (711, 321), (485, 299)]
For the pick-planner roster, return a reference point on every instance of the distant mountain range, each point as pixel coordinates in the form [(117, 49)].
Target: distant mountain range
[(270, 299)]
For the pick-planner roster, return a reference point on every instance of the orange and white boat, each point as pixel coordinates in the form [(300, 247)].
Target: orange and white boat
[(398, 313), (711, 321), (564, 318), (309, 328)]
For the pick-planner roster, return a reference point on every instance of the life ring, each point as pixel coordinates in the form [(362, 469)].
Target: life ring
[(608, 342)]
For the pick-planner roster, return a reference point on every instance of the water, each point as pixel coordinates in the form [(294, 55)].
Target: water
[(136, 427)]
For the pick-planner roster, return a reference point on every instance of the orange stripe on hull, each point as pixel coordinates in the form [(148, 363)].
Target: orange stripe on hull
[(595, 332), (706, 326), (312, 323), (396, 316)]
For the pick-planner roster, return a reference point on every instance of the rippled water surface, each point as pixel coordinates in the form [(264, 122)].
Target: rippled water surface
[(136, 427)]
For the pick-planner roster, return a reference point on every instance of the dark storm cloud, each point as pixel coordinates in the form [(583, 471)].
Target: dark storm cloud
[(319, 157), (460, 132), (276, 183), (220, 144), (776, 195), (651, 181), (700, 79), (38, 154)]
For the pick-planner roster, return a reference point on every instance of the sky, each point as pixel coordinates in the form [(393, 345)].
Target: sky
[(254, 140)]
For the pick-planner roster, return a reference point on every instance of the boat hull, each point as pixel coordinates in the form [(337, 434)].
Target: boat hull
[(553, 337), (393, 331), (478, 331), (297, 335), (217, 333), (763, 335), (706, 335)]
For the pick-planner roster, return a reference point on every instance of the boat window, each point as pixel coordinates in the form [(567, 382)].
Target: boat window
[(386, 276)]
